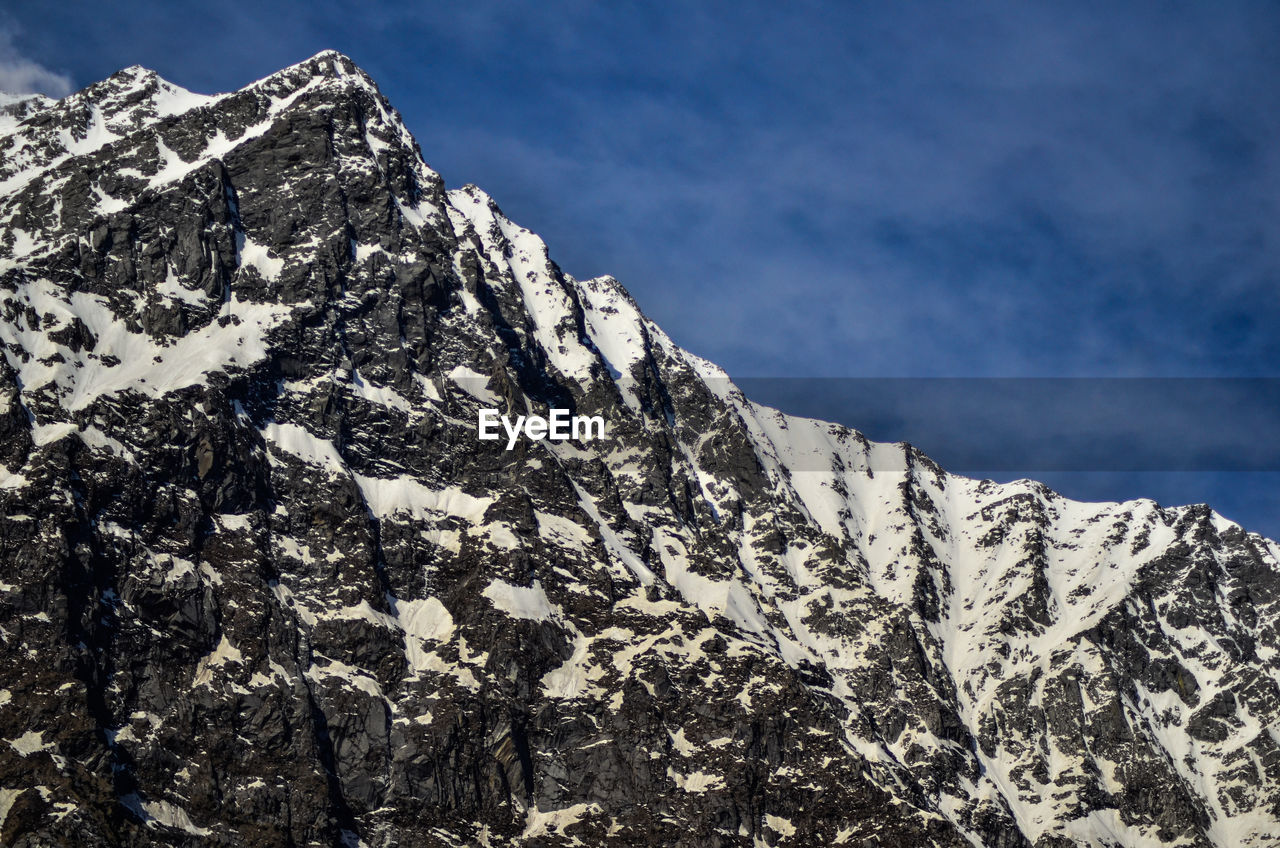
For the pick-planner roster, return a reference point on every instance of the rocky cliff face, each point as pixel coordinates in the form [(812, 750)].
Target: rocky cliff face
[(263, 586)]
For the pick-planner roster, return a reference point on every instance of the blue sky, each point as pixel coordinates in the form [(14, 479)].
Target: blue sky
[(830, 189)]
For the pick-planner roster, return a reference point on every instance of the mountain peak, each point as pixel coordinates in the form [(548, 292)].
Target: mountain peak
[(136, 72), (145, 95), (333, 56), (327, 65)]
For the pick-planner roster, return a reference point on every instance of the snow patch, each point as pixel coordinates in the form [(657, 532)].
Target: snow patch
[(520, 601)]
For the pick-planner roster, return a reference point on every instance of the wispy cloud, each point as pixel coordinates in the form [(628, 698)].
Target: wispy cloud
[(20, 74)]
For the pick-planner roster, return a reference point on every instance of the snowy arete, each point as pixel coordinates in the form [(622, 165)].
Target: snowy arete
[(261, 584)]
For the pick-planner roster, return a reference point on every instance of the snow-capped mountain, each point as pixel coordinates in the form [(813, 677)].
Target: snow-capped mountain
[(262, 585)]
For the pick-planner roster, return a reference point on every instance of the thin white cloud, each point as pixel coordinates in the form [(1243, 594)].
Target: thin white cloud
[(22, 75)]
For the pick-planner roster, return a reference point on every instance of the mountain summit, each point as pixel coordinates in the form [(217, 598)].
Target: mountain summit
[(261, 583)]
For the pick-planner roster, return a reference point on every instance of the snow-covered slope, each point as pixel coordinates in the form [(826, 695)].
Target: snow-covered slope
[(263, 585)]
